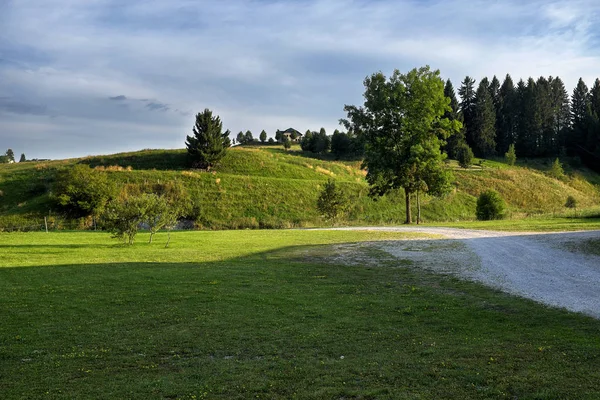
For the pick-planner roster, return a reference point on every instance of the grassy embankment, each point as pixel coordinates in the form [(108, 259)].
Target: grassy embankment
[(270, 188), (270, 314)]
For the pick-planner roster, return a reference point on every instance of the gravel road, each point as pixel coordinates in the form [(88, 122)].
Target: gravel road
[(538, 266)]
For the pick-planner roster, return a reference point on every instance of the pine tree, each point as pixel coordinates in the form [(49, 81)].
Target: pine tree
[(22, 159), (241, 139), (484, 122), (561, 110), (506, 118), (263, 136), (526, 144), (248, 138), (209, 143), (454, 142), (580, 106), (467, 107)]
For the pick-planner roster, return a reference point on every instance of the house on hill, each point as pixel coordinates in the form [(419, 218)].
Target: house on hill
[(292, 134)]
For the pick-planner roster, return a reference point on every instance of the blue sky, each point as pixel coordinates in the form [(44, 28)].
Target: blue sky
[(91, 77)]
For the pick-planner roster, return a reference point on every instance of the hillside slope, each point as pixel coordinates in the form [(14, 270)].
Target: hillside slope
[(270, 188)]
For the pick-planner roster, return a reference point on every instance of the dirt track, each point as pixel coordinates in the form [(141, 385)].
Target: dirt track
[(537, 266)]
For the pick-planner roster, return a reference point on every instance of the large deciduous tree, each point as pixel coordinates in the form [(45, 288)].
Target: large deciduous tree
[(208, 144), (402, 121)]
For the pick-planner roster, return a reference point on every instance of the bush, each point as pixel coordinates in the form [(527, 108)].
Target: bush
[(464, 155), (571, 202), (81, 191), (490, 205), (332, 202)]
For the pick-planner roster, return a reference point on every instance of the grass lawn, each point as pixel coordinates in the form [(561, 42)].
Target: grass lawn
[(268, 314)]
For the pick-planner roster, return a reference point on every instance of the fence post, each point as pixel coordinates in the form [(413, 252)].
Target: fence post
[(46, 223)]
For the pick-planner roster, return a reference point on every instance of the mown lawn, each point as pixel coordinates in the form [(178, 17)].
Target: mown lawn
[(264, 314)]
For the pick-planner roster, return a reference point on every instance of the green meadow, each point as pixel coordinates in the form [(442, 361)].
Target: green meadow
[(272, 314)]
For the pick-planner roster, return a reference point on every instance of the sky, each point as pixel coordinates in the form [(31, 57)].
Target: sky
[(94, 77)]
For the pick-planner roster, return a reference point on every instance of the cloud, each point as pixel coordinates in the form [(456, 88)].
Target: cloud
[(260, 64)]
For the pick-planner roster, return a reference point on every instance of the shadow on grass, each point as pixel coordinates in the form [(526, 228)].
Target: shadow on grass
[(279, 324)]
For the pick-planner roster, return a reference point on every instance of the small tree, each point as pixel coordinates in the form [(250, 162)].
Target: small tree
[(248, 138), (124, 215), (279, 136), (341, 144), (511, 155), (556, 170), (11, 155), (464, 155), (241, 139), (332, 202), (263, 136), (271, 140), (490, 205), (305, 143), (287, 143), (208, 144), (22, 159), (571, 203)]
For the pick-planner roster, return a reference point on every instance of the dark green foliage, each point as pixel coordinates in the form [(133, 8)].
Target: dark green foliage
[(397, 121), (248, 137), (341, 144), (490, 206), (263, 136), (506, 117), (305, 143), (464, 155), (332, 201), (483, 129), (580, 108), (454, 141), (271, 140), (81, 191), (510, 156), (287, 143), (22, 159), (571, 202), (467, 107), (241, 138), (208, 144), (10, 155), (3, 159)]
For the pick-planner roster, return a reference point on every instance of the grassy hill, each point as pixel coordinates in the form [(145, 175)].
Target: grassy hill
[(266, 187)]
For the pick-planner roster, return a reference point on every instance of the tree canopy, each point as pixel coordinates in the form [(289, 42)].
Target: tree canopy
[(403, 126)]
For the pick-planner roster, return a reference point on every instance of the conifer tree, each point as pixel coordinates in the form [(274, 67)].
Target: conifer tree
[(263, 136), (467, 107), (455, 141), (561, 109), (484, 122), (208, 143), (580, 108), (22, 159), (10, 155), (506, 119)]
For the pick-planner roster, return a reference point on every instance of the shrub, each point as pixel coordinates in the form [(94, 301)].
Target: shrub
[(82, 191), (490, 205), (332, 202), (464, 155), (511, 155), (571, 202)]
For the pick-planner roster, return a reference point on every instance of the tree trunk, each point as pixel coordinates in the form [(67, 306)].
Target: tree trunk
[(408, 212), (151, 234), (418, 208), (169, 239)]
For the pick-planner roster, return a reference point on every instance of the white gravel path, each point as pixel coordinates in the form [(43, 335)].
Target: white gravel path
[(534, 265)]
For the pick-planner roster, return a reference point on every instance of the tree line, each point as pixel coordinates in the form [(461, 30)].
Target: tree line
[(538, 117)]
